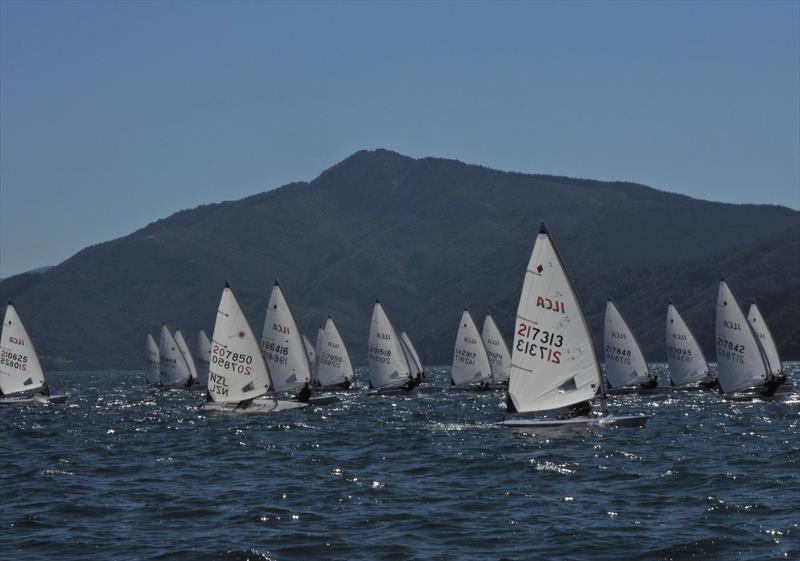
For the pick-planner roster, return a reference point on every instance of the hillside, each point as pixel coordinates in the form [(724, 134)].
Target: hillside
[(428, 236)]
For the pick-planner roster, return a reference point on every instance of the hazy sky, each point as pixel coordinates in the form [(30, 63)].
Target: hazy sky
[(115, 114)]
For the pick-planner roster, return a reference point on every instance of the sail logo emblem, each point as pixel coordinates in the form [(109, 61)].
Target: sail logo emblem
[(732, 325), (550, 304), (16, 340)]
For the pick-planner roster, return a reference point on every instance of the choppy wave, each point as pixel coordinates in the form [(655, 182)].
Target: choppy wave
[(124, 472)]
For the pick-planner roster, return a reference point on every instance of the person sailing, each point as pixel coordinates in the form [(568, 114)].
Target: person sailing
[(304, 394)]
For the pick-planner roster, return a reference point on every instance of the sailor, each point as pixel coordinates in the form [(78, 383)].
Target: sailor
[(346, 384), (483, 386), (305, 393), (650, 384), (208, 396), (580, 409), (771, 386), (189, 382), (244, 404), (45, 390)]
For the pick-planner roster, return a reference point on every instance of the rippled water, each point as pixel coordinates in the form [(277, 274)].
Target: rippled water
[(124, 472)]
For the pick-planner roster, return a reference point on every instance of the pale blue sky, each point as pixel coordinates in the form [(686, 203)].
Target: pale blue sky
[(115, 114)]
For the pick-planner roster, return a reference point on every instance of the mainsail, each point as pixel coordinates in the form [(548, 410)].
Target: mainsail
[(187, 355), (388, 366), (625, 363), (20, 369), (741, 362), (687, 363), (470, 361), (283, 346), (765, 338), (496, 348), (153, 371), (333, 360), (174, 368), (553, 361), (203, 357), (237, 371)]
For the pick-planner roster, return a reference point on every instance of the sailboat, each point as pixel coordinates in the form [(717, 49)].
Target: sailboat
[(315, 364), (496, 348), (203, 358), (238, 377), (553, 363), (189, 359), (285, 351), (21, 376), (764, 335), (471, 368), (687, 363), (741, 361), (334, 370), (153, 372), (175, 371), (389, 370), (625, 363)]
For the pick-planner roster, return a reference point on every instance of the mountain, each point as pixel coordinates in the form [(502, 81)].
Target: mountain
[(428, 236)]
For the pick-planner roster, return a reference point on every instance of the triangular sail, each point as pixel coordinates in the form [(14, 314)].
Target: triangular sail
[(411, 354), (765, 338), (496, 348), (283, 346), (153, 371), (311, 352), (687, 363), (625, 363), (470, 361), (174, 369), (203, 357), (317, 348), (187, 354), (553, 360), (333, 361), (237, 371), (740, 359), (388, 366), (20, 369)]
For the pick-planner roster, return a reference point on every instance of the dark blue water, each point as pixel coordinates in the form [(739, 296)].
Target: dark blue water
[(123, 472)]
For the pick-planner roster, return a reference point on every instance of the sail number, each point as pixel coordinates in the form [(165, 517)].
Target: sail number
[(623, 356), (235, 362), (329, 359), (380, 355), (677, 353), (539, 343), (14, 360), (730, 351)]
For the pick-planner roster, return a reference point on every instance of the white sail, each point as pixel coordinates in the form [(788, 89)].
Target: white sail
[(765, 338), (687, 363), (470, 361), (333, 361), (317, 348), (283, 345), (496, 348), (625, 363), (174, 369), (20, 369), (237, 371), (153, 371), (553, 360), (411, 350), (311, 353), (203, 357), (187, 355), (388, 366), (740, 359)]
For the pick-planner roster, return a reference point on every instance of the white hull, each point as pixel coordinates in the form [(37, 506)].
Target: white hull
[(259, 405), (182, 388), (27, 400), (607, 421), (323, 400)]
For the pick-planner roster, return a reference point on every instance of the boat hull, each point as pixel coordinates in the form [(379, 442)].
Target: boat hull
[(259, 405), (607, 421), (28, 400)]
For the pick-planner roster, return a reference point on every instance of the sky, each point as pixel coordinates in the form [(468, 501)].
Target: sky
[(116, 114)]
